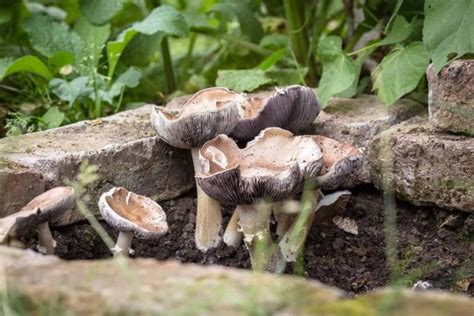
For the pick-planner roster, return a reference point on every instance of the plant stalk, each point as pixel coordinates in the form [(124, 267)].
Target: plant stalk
[(168, 65), (124, 244)]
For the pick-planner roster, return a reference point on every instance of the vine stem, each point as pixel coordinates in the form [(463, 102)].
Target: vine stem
[(168, 65)]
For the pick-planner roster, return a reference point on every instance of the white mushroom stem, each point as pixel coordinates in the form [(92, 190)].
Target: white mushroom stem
[(255, 223), (293, 241), (233, 233), (208, 215), (46, 241), (124, 244), (284, 213)]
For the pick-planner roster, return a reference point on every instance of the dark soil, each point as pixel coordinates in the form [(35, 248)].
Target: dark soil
[(434, 245)]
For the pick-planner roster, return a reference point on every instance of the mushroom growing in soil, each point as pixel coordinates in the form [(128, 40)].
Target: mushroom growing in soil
[(189, 125), (132, 214), (291, 108), (341, 165), (269, 169), (36, 215)]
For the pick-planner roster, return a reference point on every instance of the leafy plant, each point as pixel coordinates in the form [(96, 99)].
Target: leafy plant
[(85, 59)]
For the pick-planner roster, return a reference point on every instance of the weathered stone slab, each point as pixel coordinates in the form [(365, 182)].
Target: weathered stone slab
[(18, 186), (146, 286), (429, 167), (451, 96), (123, 146), (357, 121)]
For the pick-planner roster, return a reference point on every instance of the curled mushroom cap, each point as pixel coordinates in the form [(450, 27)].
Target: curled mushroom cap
[(41, 209), (191, 122), (130, 212), (341, 163), (291, 108), (272, 166)]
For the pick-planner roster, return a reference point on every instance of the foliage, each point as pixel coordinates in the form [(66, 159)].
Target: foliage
[(83, 59)]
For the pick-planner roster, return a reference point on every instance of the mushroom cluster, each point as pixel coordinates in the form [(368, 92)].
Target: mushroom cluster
[(191, 122), (265, 176)]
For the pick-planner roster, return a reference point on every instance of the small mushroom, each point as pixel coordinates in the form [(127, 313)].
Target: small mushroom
[(291, 108), (188, 124), (268, 170), (342, 163), (132, 214), (36, 215)]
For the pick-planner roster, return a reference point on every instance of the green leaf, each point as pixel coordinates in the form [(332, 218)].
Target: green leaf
[(165, 19), (272, 59), (448, 31), (49, 37), (94, 38), (61, 59), (399, 32), (394, 13), (354, 88), (141, 49), (400, 71), (339, 70), (249, 24), (53, 117), (130, 78), (31, 64), (100, 11), (162, 19), (242, 80), (285, 77), (71, 91)]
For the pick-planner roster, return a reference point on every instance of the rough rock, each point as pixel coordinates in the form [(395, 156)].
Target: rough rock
[(429, 167), (451, 96), (122, 146), (357, 121), (18, 186), (146, 286)]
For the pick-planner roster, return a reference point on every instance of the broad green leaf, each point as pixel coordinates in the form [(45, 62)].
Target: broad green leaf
[(49, 37), (31, 64), (242, 80), (249, 24), (71, 90), (399, 32), (339, 70), (165, 19), (94, 38), (61, 59), (274, 41), (394, 14), (272, 59), (141, 49), (53, 117), (100, 11), (400, 71), (448, 30), (162, 19), (130, 79), (359, 62), (285, 77)]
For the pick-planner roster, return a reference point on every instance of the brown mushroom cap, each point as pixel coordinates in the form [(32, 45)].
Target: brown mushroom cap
[(341, 163), (203, 116), (291, 108), (130, 212), (271, 167), (41, 209)]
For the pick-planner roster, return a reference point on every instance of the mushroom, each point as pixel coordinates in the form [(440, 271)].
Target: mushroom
[(293, 240), (291, 108), (341, 165), (189, 124), (267, 170), (132, 214), (36, 215)]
